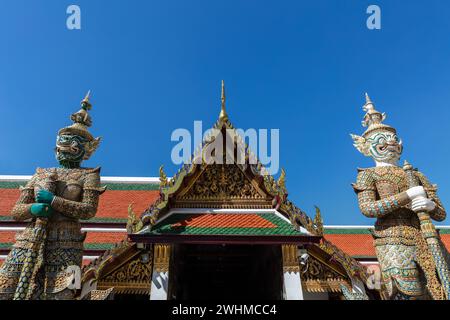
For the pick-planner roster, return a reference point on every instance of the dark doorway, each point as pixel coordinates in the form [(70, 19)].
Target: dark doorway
[(226, 272)]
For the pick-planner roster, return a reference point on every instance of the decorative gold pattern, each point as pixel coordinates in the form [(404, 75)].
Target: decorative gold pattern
[(162, 177), (318, 222), (221, 183), (290, 259), (161, 258), (134, 224)]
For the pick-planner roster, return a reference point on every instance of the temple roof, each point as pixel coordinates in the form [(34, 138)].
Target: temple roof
[(245, 226)]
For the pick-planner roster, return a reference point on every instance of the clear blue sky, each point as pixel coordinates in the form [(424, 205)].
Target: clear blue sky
[(300, 66)]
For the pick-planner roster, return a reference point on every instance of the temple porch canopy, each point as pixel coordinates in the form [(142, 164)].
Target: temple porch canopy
[(224, 226)]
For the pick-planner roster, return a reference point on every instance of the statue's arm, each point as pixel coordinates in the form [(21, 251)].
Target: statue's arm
[(370, 204), (87, 207), (438, 213), (22, 209)]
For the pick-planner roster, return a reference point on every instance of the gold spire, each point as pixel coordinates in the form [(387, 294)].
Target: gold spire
[(223, 114)]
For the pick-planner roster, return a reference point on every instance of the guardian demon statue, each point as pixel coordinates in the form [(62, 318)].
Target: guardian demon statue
[(413, 261), (53, 202)]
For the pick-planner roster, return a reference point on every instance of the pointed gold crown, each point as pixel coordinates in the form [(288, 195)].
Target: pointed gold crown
[(373, 119), (223, 113), (81, 122)]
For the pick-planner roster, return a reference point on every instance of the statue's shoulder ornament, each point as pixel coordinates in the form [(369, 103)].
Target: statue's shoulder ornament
[(92, 179), (365, 180)]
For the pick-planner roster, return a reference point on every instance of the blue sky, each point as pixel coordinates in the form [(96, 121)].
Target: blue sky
[(299, 66)]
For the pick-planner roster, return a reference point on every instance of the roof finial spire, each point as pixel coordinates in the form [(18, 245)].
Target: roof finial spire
[(223, 114)]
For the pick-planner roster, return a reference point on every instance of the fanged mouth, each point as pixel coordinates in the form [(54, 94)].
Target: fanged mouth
[(389, 148), (73, 148)]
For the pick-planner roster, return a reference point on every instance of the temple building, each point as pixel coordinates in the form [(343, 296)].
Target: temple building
[(212, 231)]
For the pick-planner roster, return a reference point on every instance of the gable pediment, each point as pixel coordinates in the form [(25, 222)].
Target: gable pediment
[(221, 185)]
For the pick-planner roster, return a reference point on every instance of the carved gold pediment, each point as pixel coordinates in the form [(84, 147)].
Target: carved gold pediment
[(133, 276), (221, 184)]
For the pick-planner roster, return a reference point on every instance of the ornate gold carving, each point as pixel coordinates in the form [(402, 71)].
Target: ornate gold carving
[(102, 294), (315, 269), (328, 285), (282, 180), (221, 182), (161, 257), (318, 222), (290, 260), (132, 277), (162, 177), (134, 224), (133, 271)]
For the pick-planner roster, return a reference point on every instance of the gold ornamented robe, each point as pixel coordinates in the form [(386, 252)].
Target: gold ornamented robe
[(36, 267), (401, 250)]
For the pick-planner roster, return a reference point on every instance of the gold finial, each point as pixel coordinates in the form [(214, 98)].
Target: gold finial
[(223, 114), (318, 221), (282, 180), (162, 177), (134, 224), (85, 102)]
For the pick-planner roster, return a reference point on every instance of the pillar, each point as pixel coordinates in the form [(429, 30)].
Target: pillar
[(160, 274), (292, 284)]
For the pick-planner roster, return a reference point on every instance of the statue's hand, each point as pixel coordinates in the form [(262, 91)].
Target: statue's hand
[(416, 192), (44, 196), (421, 204), (41, 210)]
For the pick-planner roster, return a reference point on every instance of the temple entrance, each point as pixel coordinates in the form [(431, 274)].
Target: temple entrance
[(224, 272)]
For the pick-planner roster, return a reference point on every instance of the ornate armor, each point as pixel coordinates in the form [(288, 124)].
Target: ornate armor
[(53, 202), (398, 241)]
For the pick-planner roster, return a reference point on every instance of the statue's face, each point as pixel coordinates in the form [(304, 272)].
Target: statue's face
[(70, 148), (385, 147)]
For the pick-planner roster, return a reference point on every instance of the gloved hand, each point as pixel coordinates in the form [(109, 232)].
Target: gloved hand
[(44, 196), (422, 204), (416, 192), (41, 210)]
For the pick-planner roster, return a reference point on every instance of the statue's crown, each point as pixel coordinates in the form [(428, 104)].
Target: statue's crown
[(81, 122), (373, 119)]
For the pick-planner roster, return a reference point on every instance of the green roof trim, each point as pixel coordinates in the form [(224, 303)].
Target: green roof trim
[(12, 184), (110, 186), (132, 186), (282, 227), (346, 231), (6, 245), (98, 246)]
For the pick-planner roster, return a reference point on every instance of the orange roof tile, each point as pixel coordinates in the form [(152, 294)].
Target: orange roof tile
[(112, 204), (105, 237), (225, 221), (92, 237), (353, 244)]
